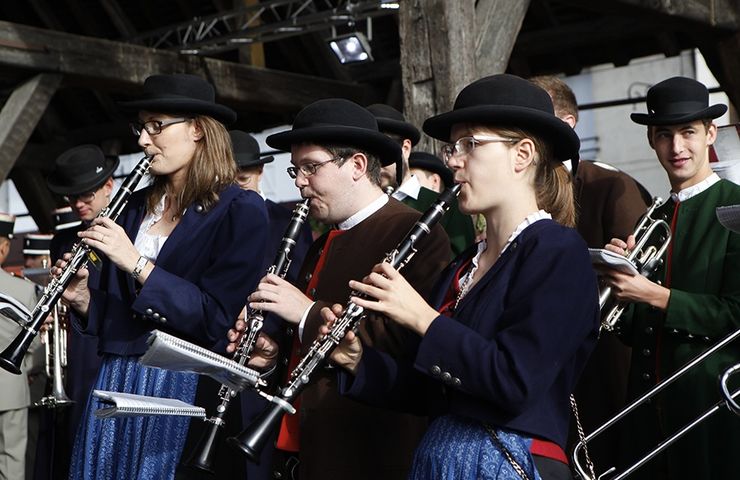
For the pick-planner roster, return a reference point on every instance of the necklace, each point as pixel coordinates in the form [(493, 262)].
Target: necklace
[(465, 285)]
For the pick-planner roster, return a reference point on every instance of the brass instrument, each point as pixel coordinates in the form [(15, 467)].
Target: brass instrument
[(652, 237), (728, 401), (55, 346)]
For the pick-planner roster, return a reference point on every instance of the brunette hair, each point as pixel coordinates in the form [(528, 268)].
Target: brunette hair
[(344, 152), (211, 169)]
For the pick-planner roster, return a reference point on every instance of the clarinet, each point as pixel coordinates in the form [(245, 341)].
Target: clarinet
[(203, 455), (254, 438), (12, 357)]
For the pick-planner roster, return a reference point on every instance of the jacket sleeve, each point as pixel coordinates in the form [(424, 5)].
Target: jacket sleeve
[(206, 308)]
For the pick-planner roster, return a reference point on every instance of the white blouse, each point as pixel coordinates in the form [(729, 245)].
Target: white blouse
[(147, 244)]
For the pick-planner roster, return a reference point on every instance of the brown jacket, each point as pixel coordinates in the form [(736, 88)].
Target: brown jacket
[(341, 438)]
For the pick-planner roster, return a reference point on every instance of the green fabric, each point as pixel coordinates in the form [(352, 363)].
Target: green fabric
[(459, 227), (704, 306)]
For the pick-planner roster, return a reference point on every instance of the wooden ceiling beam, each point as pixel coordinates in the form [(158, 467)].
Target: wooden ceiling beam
[(496, 33), (32, 188), (122, 68), (21, 114)]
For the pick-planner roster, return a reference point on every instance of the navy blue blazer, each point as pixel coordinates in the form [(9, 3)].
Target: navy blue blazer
[(513, 352), (203, 274)]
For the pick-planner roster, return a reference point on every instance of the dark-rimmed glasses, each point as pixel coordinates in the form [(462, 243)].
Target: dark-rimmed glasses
[(154, 127), (309, 169), (466, 145), (86, 197)]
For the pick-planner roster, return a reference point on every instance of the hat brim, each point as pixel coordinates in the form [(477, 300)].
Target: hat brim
[(387, 150), (404, 129), (190, 106), (710, 112), (111, 164), (435, 167), (558, 134), (244, 161)]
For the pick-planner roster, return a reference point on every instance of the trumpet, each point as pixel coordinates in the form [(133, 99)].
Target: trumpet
[(55, 345), (12, 357), (254, 438), (652, 237), (202, 456)]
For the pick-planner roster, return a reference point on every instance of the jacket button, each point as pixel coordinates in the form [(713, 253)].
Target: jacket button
[(156, 315), (646, 352), (199, 208), (649, 330), (148, 311), (447, 378), (313, 293), (435, 371), (163, 319), (289, 331), (456, 382), (646, 376)]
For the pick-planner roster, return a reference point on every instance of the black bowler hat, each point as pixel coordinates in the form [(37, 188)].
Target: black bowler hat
[(7, 224), (432, 163), (182, 94), (64, 218), (247, 150), (37, 244), (508, 101), (340, 122), (678, 100), (391, 120), (81, 169)]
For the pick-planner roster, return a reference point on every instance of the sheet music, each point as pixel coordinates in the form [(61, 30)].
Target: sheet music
[(131, 405), (729, 217), (600, 256), (172, 353)]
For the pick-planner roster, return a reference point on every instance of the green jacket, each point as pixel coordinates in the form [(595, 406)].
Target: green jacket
[(704, 306), (459, 227)]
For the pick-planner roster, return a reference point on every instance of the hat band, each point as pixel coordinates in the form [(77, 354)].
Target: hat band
[(679, 108)]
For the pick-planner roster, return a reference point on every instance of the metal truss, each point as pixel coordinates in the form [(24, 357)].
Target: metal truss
[(266, 21)]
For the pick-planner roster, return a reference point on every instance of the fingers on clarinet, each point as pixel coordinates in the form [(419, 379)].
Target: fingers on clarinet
[(337, 309)]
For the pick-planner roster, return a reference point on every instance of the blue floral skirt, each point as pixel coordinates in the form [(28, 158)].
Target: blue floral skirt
[(458, 448), (143, 448)]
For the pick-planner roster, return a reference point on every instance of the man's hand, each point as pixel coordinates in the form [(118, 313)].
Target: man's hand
[(349, 351), (278, 296)]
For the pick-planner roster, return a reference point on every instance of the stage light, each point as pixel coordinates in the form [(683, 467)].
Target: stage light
[(351, 48)]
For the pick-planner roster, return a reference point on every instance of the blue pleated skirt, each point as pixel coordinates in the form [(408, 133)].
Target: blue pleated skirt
[(457, 448), (142, 448)]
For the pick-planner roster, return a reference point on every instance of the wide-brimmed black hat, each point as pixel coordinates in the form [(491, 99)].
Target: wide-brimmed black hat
[(678, 100), (247, 150), (64, 218), (37, 244), (81, 169), (7, 224), (182, 94), (508, 101), (391, 120), (340, 122), (432, 163)]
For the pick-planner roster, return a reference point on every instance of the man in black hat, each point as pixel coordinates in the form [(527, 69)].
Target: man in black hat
[(14, 389), (407, 187), (431, 172), (695, 298), (337, 154)]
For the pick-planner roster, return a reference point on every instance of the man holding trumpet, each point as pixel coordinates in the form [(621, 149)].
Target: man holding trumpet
[(694, 299)]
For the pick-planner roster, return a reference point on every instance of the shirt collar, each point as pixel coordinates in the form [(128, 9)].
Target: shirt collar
[(695, 190), (409, 188), (373, 207)]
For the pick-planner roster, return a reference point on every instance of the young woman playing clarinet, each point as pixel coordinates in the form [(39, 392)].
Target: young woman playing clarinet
[(498, 350), (182, 258)]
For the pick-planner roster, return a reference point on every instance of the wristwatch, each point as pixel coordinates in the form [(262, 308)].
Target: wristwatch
[(140, 264)]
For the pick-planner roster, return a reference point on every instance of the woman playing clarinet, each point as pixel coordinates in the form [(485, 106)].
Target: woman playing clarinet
[(182, 258), (498, 350)]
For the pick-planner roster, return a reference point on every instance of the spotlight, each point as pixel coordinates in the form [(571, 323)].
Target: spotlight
[(351, 48)]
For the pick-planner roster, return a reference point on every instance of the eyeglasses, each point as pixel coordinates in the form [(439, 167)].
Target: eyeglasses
[(466, 145), (154, 127), (86, 197), (310, 168)]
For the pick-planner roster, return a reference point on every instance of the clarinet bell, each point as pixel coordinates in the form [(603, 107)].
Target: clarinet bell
[(254, 438)]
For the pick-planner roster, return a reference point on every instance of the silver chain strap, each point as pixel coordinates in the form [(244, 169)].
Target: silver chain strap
[(582, 437), (507, 454)]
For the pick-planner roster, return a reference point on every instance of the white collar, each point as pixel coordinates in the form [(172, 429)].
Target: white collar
[(409, 188), (695, 190), (361, 215)]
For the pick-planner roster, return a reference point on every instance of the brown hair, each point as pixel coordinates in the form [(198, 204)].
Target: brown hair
[(211, 169), (373, 162), (563, 99), (553, 183)]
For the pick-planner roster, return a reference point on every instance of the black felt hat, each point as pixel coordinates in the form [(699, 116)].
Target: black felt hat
[(508, 101), (247, 150), (7, 224), (180, 94), (391, 120), (37, 244), (64, 218), (678, 100), (340, 122), (432, 163), (81, 169)]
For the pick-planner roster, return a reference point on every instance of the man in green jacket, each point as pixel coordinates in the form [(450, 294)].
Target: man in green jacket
[(696, 301)]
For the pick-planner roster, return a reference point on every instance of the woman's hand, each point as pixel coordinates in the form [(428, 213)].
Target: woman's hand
[(278, 296), (620, 246), (349, 351), (110, 239), (394, 297), (77, 293)]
